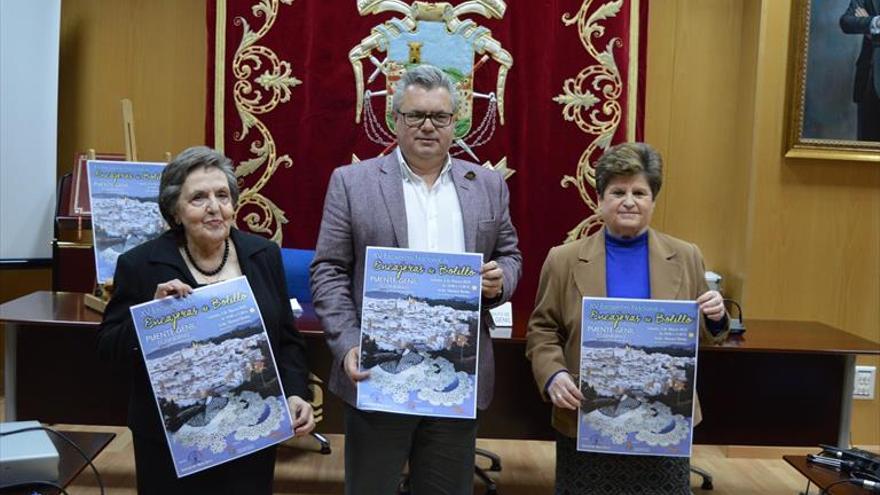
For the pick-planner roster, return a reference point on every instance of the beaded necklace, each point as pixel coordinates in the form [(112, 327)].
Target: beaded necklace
[(209, 273)]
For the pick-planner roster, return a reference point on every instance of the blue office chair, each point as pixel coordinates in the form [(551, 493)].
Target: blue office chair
[(296, 271)]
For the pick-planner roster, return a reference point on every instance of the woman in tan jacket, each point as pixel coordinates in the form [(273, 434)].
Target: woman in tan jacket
[(624, 259)]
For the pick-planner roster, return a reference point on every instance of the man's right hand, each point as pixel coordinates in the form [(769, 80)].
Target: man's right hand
[(351, 365)]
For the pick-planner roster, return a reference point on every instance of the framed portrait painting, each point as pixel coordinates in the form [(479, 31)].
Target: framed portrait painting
[(834, 80)]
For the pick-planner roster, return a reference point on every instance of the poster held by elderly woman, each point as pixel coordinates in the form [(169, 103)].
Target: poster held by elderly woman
[(213, 374), (124, 198), (420, 323), (638, 376)]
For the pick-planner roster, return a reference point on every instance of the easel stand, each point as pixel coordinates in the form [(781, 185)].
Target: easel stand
[(101, 294), (96, 300)]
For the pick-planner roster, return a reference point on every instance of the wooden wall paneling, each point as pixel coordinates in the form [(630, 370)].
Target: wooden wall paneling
[(660, 73), (696, 104), (153, 52), (733, 264), (795, 239), (813, 245)]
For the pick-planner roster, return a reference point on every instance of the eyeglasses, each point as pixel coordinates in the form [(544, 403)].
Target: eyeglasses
[(417, 119)]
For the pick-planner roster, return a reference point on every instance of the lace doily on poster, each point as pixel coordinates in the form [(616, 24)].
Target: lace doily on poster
[(433, 379), (246, 416), (652, 422)]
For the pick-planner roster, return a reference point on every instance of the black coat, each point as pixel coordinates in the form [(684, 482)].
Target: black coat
[(141, 269)]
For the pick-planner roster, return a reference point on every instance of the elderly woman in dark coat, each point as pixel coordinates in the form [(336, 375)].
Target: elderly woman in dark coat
[(627, 259), (197, 197)]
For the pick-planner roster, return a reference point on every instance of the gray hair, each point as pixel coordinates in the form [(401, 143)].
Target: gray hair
[(427, 77), (626, 159), (176, 172)]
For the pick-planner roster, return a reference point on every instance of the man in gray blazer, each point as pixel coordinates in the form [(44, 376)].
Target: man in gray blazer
[(416, 197)]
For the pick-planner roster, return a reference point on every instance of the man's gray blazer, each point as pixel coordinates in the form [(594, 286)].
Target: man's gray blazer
[(365, 207)]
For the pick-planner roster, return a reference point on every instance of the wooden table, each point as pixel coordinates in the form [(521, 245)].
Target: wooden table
[(52, 372), (792, 378), (71, 463), (784, 383), (823, 476)]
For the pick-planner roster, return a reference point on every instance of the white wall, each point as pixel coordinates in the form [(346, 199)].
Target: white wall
[(29, 41)]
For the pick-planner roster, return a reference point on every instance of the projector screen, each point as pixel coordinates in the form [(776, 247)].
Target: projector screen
[(29, 39)]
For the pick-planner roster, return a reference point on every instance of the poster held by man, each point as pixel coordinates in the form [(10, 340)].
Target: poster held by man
[(420, 327)]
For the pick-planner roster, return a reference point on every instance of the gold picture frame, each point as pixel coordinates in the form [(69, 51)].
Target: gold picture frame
[(816, 82)]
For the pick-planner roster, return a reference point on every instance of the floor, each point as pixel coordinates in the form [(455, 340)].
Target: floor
[(527, 469)]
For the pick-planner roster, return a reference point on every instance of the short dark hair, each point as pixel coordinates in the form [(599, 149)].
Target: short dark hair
[(626, 159), (175, 173), (427, 77)]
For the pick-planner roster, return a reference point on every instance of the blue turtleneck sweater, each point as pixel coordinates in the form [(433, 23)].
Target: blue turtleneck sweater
[(627, 271)]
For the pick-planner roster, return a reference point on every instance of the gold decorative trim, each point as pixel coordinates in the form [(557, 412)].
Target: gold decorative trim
[(219, 74), (597, 115), (255, 93), (823, 153), (632, 80)]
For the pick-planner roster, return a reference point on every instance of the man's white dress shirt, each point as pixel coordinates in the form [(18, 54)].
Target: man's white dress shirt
[(433, 214)]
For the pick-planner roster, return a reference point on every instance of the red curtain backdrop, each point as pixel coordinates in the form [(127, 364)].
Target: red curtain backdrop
[(315, 127)]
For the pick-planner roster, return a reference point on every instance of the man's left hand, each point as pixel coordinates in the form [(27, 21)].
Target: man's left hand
[(303, 416), (712, 305), (493, 279)]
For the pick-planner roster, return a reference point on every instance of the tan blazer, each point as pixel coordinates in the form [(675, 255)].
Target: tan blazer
[(576, 270)]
